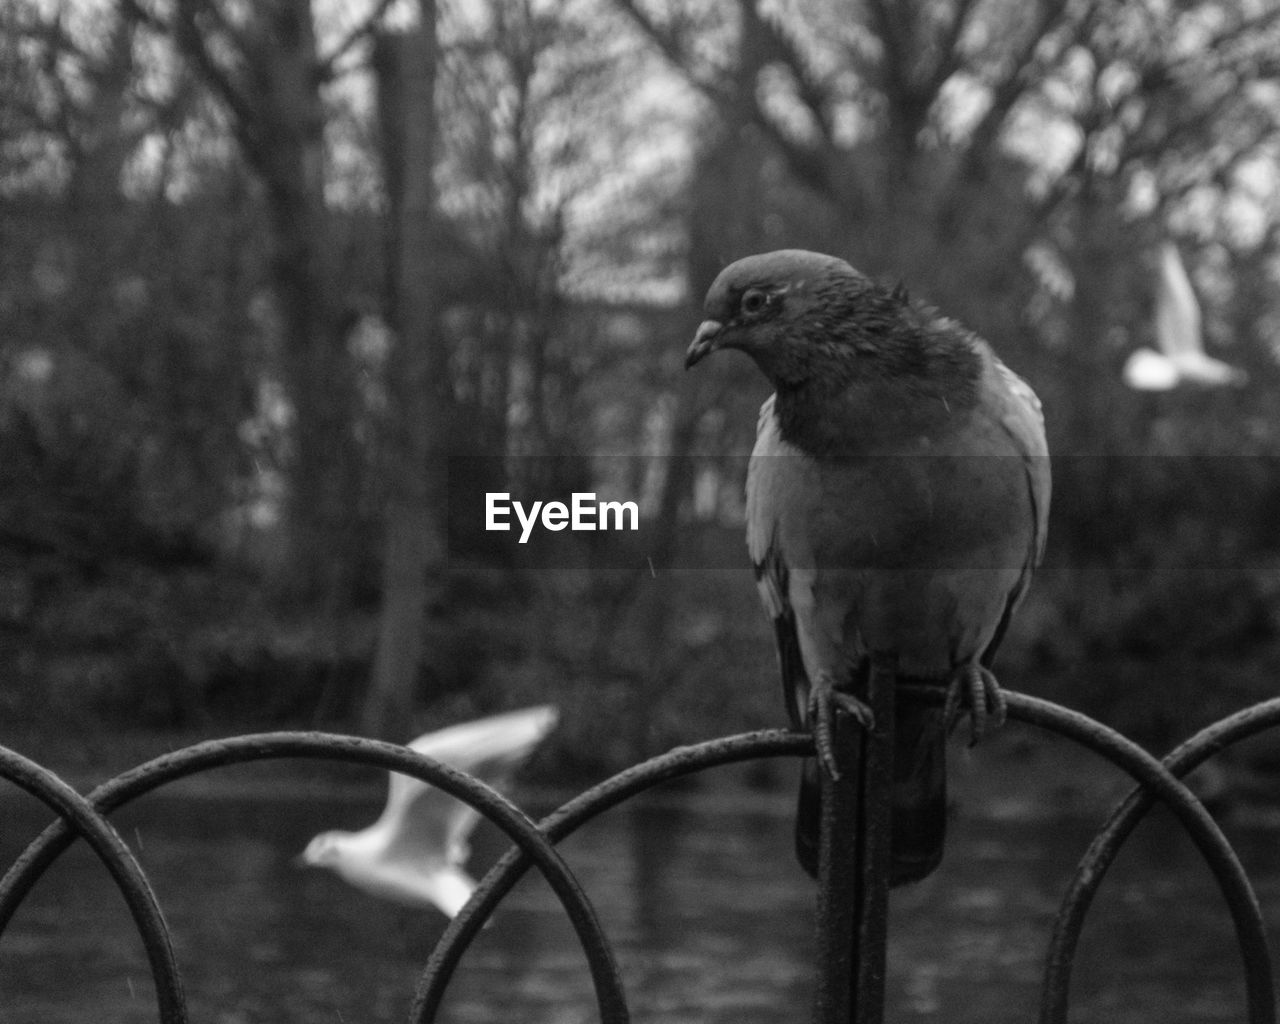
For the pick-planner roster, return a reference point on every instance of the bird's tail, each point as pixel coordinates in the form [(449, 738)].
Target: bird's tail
[(919, 795)]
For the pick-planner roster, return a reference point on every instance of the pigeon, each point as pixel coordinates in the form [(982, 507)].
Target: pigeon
[(414, 853), (1181, 359), (897, 505)]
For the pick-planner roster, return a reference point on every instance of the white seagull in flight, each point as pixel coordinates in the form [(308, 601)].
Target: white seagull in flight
[(414, 852), (1181, 359)]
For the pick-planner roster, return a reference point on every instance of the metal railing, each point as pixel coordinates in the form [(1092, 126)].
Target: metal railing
[(852, 906)]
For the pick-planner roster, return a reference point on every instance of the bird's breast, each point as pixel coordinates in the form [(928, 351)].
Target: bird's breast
[(914, 550), (927, 502), (920, 512)]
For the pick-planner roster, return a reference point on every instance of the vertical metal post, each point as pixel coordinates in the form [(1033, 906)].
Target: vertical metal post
[(854, 863)]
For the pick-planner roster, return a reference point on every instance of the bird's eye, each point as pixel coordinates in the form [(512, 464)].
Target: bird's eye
[(754, 300)]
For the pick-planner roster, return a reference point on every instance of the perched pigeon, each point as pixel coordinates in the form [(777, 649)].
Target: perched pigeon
[(1182, 358), (414, 852), (897, 502)]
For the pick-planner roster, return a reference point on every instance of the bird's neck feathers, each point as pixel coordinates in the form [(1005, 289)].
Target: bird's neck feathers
[(877, 376)]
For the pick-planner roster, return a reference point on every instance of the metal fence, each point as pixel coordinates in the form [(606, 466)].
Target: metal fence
[(852, 905)]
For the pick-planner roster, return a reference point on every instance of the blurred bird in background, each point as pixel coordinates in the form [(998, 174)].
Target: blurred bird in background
[(1179, 335), (897, 504), (414, 853)]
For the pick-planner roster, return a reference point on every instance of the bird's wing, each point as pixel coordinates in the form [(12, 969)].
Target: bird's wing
[(1019, 413), (423, 821), (765, 480), (1023, 417), (475, 747), (775, 474), (429, 828), (1178, 322)]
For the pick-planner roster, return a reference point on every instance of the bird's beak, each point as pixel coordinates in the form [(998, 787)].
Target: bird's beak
[(705, 341), (300, 861)]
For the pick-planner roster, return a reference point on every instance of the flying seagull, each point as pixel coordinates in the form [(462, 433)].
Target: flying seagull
[(1181, 359), (897, 502), (414, 853)]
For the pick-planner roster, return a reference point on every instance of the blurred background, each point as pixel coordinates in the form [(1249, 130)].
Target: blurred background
[(281, 281)]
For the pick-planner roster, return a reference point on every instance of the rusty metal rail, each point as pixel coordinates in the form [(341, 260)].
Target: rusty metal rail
[(852, 906)]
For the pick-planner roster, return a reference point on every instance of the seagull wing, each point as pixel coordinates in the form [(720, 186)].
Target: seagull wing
[(423, 822), (1178, 321)]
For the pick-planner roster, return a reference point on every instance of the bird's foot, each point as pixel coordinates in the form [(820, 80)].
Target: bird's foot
[(824, 701), (972, 686)]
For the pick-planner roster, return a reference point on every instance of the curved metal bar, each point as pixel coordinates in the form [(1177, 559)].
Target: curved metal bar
[(79, 816), (1204, 832), (1153, 776), (577, 812), (348, 749), (1102, 851), (1156, 780)]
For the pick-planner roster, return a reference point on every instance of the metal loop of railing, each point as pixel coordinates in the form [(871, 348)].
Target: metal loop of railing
[(81, 815), (1093, 868), (859, 991), (352, 749)]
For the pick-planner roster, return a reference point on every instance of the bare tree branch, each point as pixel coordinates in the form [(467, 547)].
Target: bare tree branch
[(807, 163), (1011, 87), (190, 38), (812, 93), (1006, 93), (949, 53), (328, 65), (139, 14), (62, 119), (53, 36), (894, 72), (761, 45), (1192, 125), (1067, 184), (1242, 31), (673, 49), (1189, 127)]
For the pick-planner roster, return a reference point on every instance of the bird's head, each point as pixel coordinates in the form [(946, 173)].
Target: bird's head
[(783, 309), (324, 851)]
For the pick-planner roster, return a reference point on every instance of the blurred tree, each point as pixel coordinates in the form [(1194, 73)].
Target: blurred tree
[(415, 521), (113, 293), (120, 393), (492, 361), (263, 64)]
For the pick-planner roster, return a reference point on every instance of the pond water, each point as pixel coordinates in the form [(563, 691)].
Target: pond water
[(710, 918)]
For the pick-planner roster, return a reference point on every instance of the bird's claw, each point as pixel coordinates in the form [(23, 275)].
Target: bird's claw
[(974, 686), (824, 701)]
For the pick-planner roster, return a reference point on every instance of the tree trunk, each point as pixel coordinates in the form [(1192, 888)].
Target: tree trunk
[(414, 549), (266, 70)]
